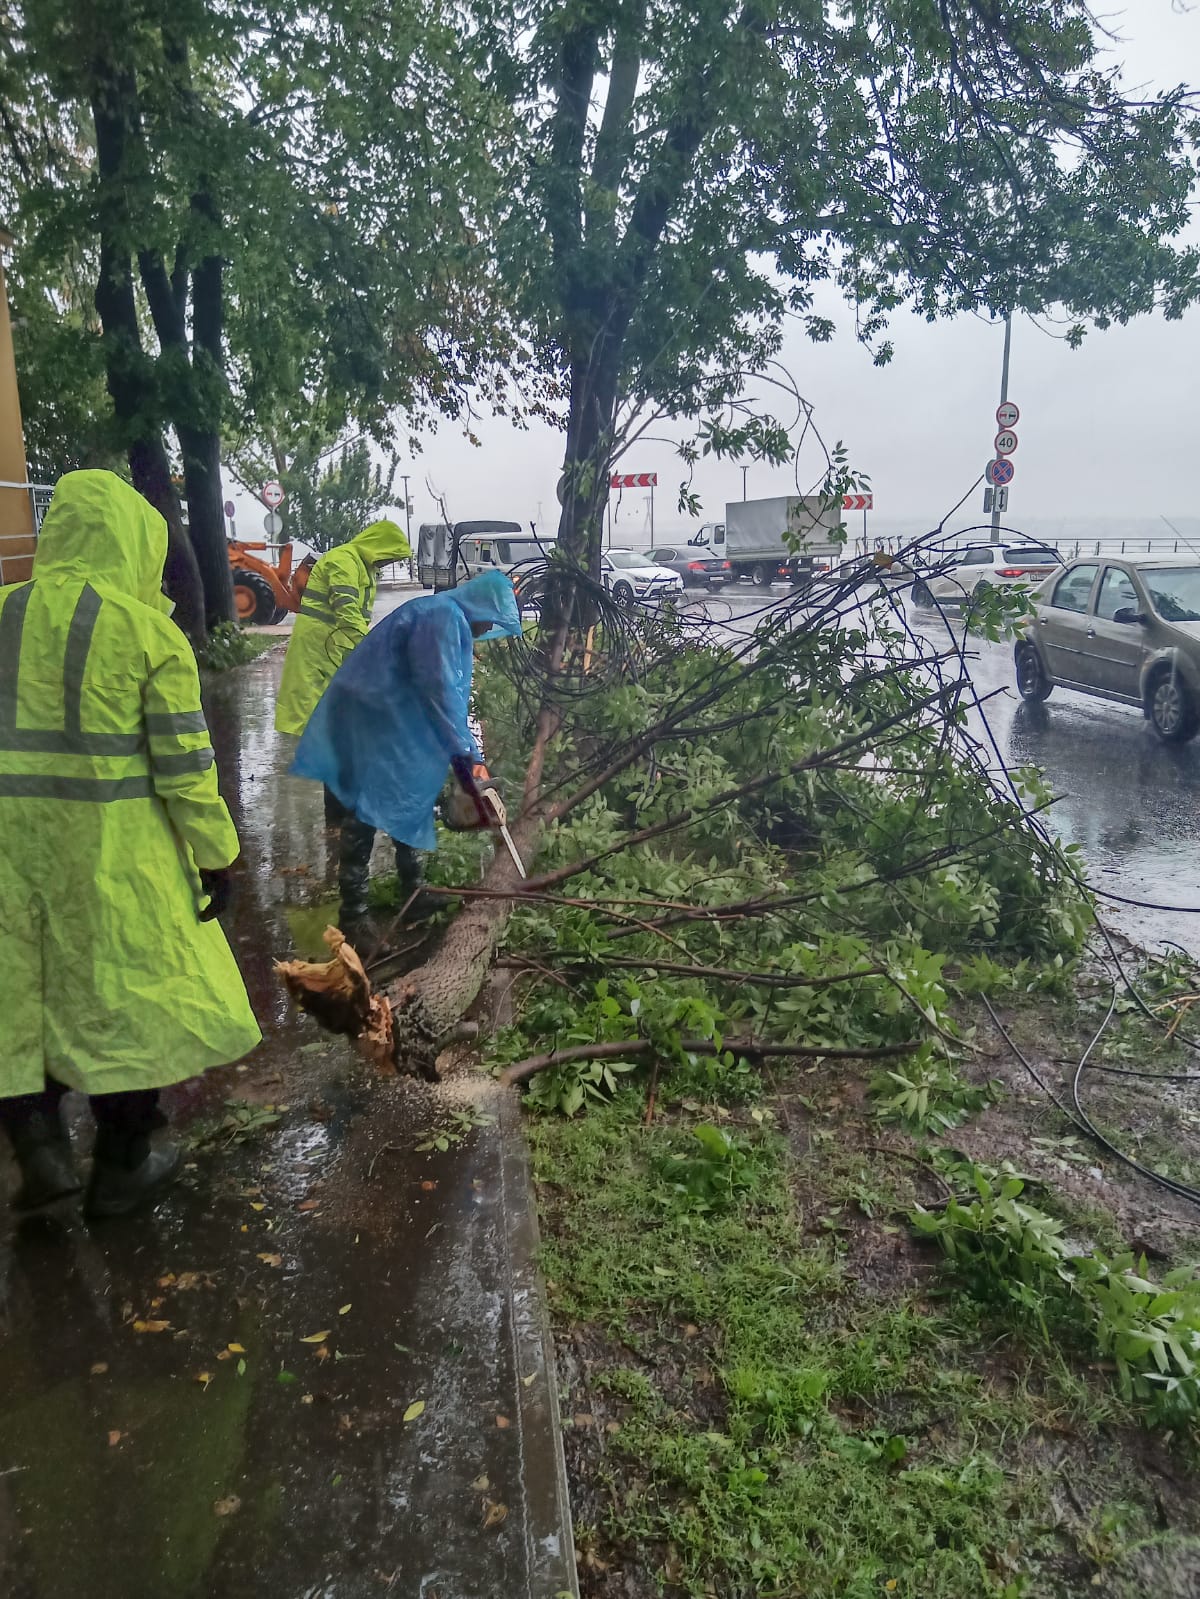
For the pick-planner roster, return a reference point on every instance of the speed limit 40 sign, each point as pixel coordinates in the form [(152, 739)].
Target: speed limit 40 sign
[(1005, 442)]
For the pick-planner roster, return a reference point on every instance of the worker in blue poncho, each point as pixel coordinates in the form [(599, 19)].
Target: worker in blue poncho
[(394, 720)]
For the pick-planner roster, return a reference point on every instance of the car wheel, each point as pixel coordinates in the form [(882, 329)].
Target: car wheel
[(1172, 708), (1032, 682), (253, 598), (622, 593), (922, 598)]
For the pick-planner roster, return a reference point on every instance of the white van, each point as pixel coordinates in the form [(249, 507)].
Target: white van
[(500, 552)]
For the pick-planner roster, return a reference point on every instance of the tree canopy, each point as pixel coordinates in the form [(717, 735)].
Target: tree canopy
[(689, 174), (279, 211), (328, 217)]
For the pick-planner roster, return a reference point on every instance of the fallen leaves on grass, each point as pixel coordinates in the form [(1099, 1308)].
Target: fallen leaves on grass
[(417, 1408)]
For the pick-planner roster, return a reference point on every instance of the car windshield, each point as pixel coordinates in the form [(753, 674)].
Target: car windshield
[(624, 559), (511, 551), (1174, 592)]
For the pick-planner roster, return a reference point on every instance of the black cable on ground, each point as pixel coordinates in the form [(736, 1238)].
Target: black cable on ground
[(1079, 1117)]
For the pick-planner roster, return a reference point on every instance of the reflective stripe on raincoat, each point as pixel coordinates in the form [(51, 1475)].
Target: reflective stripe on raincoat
[(395, 714), (335, 614), (108, 808)]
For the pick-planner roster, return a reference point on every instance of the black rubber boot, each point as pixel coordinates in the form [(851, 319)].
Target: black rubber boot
[(39, 1142), (410, 879), (44, 1155), (128, 1174)]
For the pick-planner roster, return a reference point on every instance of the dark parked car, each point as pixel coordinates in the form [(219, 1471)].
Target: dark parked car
[(697, 571), (1126, 629)]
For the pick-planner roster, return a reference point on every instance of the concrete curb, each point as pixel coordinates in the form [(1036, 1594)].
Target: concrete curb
[(550, 1542)]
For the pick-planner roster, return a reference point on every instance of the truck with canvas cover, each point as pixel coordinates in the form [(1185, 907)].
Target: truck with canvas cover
[(783, 538)]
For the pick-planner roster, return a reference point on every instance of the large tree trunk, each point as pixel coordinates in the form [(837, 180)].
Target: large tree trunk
[(202, 446), (588, 453), (199, 439), (151, 473), (206, 521), (129, 374)]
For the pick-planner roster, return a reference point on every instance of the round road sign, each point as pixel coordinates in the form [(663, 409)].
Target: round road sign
[(272, 494), (1005, 442), (1000, 472), (1007, 414), (272, 524), (230, 509)]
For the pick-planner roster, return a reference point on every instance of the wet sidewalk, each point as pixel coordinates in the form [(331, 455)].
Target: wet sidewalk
[(320, 1367)]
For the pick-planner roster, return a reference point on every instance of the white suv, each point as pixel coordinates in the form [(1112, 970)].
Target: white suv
[(959, 575)]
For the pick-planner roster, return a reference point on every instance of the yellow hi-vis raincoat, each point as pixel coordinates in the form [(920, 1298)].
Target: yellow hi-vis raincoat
[(108, 808), (334, 615)]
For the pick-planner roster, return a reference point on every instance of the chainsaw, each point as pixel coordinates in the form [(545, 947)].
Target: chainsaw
[(474, 803)]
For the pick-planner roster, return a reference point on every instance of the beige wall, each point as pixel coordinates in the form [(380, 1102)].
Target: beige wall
[(16, 507)]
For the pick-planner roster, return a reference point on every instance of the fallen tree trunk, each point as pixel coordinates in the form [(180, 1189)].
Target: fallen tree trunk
[(430, 1000)]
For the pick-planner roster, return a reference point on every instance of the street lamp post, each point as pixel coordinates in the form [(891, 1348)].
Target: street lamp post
[(745, 469), (1003, 398), (404, 476)]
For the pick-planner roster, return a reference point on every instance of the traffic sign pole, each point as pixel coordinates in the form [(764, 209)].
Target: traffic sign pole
[(1003, 403)]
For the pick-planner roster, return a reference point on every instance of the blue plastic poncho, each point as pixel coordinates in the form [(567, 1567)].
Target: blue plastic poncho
[(395, 712)]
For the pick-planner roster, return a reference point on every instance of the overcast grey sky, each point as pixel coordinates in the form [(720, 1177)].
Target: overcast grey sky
[(1111, 429)]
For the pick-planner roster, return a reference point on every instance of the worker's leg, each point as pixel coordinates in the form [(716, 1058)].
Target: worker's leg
[(127, 1171), (335, 812), (354, 869), (410, 869), (39, 1141), (410, 876)]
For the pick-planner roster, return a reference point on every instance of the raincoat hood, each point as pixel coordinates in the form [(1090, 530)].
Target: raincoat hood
[(490, 598), (100, 530), (381, 542)]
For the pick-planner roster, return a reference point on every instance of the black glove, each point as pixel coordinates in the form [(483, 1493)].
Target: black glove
[(463, 767), (218, 885)]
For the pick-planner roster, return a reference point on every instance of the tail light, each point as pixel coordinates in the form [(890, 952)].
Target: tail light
[(1011, 571), (697, 566), (725, 566)]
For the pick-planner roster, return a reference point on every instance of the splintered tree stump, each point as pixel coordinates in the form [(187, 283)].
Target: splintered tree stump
[(337, 993)]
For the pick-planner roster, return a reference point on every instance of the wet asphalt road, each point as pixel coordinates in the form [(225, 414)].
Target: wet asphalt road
[(1131, 802)]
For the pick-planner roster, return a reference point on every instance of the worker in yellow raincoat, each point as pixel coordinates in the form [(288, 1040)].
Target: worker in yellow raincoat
[(115, 846), (335, 614)]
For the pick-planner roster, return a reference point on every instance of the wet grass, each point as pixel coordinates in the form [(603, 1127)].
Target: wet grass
[(777, 1391)]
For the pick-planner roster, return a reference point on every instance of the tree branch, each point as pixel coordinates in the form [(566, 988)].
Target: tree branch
[(741, 790), (754, 1047)]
